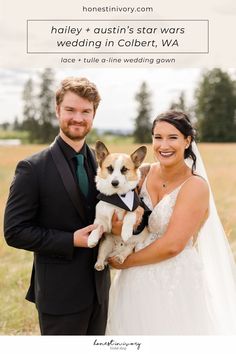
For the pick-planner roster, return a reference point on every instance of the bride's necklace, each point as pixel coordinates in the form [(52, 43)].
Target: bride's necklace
[(165, 183)]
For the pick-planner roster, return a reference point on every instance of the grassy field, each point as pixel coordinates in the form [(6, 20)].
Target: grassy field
[(18, 316)]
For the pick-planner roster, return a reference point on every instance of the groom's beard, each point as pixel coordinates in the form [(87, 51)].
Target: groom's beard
[(76, 131)]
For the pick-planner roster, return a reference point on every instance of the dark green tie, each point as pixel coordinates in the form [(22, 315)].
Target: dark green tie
[(82, 175)]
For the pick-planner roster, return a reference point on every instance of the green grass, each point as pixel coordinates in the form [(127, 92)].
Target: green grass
[(18, 316), (11, 134)]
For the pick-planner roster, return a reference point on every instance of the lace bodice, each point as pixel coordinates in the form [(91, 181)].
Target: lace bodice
[(161, 214)]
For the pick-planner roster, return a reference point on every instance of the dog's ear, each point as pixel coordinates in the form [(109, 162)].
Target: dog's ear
[(138, 156), (101, 151)]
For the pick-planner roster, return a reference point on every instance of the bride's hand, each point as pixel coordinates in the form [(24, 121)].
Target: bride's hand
[(139, 215), (114, 264), (116, 224)]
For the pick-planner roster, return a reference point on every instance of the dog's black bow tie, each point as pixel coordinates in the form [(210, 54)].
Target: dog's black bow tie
[(116, 200)]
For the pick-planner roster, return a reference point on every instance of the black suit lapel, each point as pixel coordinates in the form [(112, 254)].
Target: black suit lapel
[(67, 178)]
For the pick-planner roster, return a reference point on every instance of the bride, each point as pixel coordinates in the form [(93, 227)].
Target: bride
[(181, 280)]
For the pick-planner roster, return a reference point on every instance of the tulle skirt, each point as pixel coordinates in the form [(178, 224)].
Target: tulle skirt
[(166, 298)]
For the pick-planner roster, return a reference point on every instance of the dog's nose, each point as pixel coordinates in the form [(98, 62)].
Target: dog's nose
[(115, 183)]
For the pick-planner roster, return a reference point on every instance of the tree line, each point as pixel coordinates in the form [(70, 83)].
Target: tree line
[(39, 118), (213, 111)]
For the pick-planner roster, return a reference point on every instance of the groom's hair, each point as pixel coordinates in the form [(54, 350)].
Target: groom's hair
[(81, 87), (180, 121)]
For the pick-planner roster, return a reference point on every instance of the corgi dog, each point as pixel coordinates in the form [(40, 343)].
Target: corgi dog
[(117, 177)]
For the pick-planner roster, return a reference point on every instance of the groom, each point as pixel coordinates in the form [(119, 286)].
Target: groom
[(50, 212)]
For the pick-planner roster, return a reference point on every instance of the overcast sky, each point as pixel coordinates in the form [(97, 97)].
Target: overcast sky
[(117, 88)]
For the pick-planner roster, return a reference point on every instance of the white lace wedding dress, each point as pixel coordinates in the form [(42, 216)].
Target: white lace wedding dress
[(166, 298)]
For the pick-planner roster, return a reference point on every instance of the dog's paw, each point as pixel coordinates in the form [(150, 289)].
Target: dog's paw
[(99, 266), (126, 232), (93, 239), (120, 259), (92, 243), (125, 236)]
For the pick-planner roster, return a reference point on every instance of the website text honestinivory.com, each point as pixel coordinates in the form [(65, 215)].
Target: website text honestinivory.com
[(123, 9)]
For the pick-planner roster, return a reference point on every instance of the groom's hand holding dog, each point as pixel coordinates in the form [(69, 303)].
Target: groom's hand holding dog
[(81, 235)]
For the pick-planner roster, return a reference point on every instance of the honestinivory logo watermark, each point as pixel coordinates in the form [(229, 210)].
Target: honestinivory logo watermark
[(116, 344)]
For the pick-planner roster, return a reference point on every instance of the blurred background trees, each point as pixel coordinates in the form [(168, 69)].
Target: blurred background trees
[(216, 107), (213, 111), (142, 122), (47, 121), (39, 118)]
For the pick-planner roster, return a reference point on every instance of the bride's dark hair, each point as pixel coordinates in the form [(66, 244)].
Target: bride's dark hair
[(180, 121)]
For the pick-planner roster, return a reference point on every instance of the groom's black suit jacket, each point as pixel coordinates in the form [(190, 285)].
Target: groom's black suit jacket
[(44, 209)]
